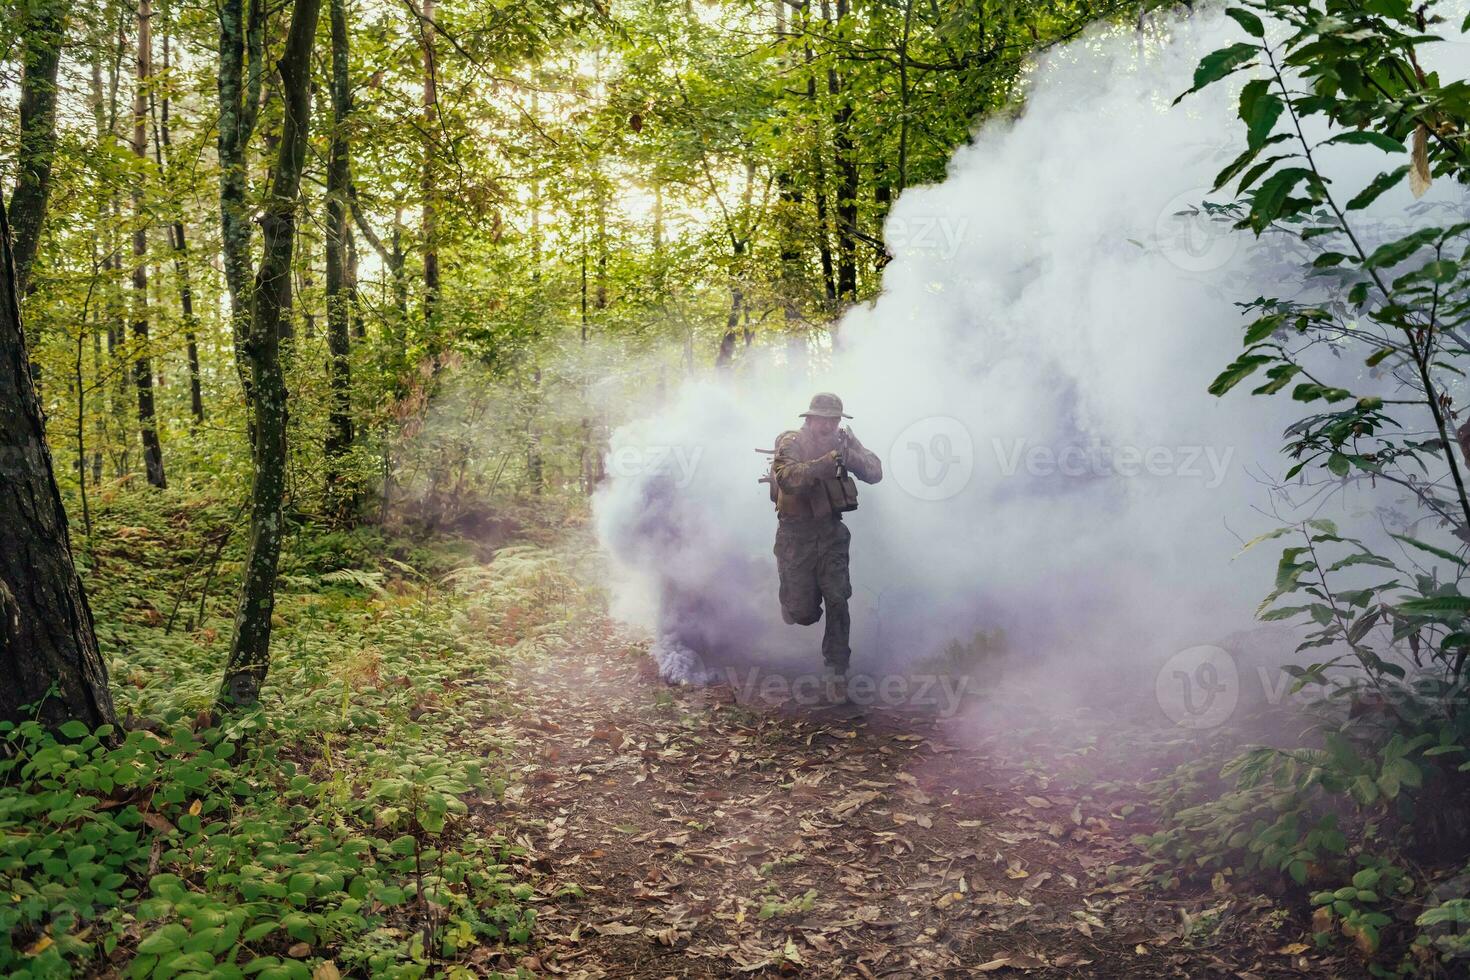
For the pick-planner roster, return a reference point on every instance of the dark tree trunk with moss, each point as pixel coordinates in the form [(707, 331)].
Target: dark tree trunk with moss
[(241, 51), (339, 302), (250, 650), (42, 38), (48, 649)]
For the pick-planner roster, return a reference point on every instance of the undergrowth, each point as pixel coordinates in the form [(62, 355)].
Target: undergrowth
[(327, 832)]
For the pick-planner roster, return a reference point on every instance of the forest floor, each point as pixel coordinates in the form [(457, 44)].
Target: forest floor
[(675, 832), (622, 827)]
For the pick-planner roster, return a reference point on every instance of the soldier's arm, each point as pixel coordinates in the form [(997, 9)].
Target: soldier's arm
[(792, 474), (861, 463)]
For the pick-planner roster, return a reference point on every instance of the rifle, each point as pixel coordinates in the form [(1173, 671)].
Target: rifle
[(768, 478), (841, 491)]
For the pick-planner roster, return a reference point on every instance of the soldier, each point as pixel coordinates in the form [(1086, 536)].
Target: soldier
[(813, 490)]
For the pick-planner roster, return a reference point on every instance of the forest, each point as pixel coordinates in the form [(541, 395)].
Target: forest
[(385, 584)]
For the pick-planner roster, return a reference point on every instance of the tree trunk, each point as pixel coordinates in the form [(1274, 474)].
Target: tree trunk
[(250, 650), (104, 238), (398, 347), (240, 33), (789, 207), (739, 240), (142, 362), (339, 423), (180, 244), (48, 648), (819, 195), (354, 310), (847, 173), (44, 33), (905, 96), (431, 191)]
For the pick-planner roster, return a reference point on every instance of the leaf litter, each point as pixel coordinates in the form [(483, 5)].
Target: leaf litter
[(674, 832)]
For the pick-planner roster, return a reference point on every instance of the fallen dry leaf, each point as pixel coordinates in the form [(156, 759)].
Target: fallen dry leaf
[(1017, 961), (616, 929), (158, 822)]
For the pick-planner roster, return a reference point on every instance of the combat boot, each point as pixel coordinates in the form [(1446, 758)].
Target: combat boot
[(834, 685)]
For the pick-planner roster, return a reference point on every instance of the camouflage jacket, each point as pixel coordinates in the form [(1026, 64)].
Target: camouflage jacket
[(798, 472)]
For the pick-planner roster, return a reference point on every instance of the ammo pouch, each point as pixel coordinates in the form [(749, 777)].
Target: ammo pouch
[(841, 493)]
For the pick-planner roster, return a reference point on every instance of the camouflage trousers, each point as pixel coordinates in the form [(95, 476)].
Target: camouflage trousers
[(811, 558)]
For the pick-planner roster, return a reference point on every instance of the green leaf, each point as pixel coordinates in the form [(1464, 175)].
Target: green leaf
[(1392, 253), (1248, 21), (1361, 558), (1267, 536), (1218, 64), (1270, 200), (1367, 137), (1263, 328), (1431, 549), (1280, 376), (164, 940), (1261, 119), (1377, 187), (1447, 605), (1242, 368)]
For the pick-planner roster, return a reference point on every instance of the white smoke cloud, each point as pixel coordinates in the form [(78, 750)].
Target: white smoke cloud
[(1034, 377)]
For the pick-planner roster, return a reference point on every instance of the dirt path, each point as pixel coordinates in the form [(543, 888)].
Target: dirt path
[(676, 833)]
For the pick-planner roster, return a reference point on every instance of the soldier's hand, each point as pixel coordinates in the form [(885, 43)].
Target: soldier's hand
[(830, 465)]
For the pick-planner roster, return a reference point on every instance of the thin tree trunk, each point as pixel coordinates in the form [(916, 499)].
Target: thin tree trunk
[(430, 187), (180, 244), (398, 347), (905, 96), (117, 344), (142, 362), (241, 33), (339, 422), (819, 179), (359, 328), (43, 35), (790, 200), (535, 465), (591, 462), (81, 429), (104, 232), (250, 650), (739, 240), (393, 259), (100, 426), (50, 667), (846, 166)]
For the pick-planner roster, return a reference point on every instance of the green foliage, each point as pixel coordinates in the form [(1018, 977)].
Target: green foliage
[(336, 816), (1383, 777)]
